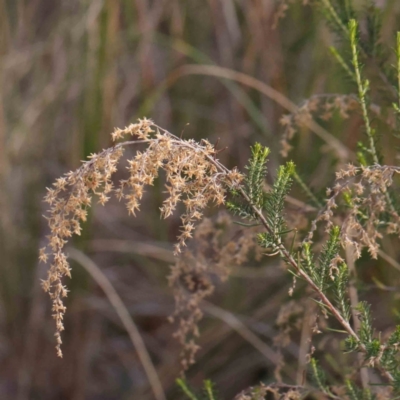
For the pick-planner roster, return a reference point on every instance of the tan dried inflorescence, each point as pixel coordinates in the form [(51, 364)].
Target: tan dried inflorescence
[(193, 177), (282, 9), (369, 208), (321, 105), (277, 391), (69, 199), (290, 317), (194, 275)]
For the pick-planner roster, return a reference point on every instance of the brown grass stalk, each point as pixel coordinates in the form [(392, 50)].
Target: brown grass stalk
[(126, 319)]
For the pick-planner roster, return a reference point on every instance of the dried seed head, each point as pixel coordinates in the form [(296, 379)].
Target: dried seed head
[(321, 105), (363, 191), (193, 177), (194, 275)]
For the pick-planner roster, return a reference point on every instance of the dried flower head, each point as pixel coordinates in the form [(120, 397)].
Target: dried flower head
[(366, 207), (209, 258), (282, 10), (193, 177), (321, 105), (278, 391)]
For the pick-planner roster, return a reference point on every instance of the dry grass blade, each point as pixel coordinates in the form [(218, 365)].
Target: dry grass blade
[(236, 324), (125, 317), (145, 249), (212, 70), (389, 259)]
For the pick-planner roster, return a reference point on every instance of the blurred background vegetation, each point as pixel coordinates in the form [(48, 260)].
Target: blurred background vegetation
[(71, 71)]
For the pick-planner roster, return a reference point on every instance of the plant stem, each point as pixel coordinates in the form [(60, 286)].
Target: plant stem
[(362, 89)]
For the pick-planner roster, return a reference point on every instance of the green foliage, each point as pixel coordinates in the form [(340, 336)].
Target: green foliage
[(320, 272), (346, 68), (391, 350), (254, 182), (307, 191), (271, 203), (329, 252), (363, 89), (274, 204), (373, 346), (340, 13), (209, 392), (372, 45), (337, 15), (257, 172), (340, 291), (351, 344), (396, 106), (185, 389), (390, 357), (308, 261), (365, 48), (356, 393), (366, 330), (319, 377), (345, 10), (353, 392)]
